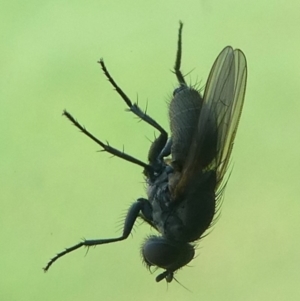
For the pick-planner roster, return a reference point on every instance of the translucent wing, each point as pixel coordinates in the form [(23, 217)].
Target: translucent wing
[(224, 96), (219, 117)]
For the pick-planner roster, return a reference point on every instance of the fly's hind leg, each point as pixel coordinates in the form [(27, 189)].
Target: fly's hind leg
[(177, 70)]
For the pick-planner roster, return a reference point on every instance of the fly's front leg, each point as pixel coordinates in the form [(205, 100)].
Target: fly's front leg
[(140, 206)]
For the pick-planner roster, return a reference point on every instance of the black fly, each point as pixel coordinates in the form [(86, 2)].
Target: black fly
[(185, 172)]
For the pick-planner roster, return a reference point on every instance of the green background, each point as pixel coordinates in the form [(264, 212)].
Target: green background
[(56, 187)]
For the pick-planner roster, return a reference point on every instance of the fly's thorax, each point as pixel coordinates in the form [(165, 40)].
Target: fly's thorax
[(196, 206), (187, 217), (161, 210), (158, 188)]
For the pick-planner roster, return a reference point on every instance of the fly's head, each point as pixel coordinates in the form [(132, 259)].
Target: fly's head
[(168, 255)]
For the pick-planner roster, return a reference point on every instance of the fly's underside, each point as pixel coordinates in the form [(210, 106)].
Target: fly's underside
[(185, 171)]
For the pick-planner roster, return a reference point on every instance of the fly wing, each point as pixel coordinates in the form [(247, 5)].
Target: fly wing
[(225, 91), (218, 120)]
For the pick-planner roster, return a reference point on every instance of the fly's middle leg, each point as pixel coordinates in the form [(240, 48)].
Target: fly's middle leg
[(106, 147), (134, 108)]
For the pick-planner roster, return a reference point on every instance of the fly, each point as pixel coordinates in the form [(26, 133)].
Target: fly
[(185, 172)]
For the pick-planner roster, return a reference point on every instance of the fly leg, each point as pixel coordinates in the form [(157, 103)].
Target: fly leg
[(158, 151), (161, 147), (177, 71), (134, 108), (140, 206), (159, 142), (106, 147)]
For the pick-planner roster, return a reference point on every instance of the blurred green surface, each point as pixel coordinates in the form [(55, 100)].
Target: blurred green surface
[(55, 187)]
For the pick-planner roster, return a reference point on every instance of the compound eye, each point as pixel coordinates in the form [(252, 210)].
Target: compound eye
[(157, 251)]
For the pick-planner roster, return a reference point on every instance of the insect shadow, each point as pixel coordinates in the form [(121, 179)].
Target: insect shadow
[(185, 172)]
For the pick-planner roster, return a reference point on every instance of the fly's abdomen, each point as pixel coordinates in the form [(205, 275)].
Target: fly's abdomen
[(184, 113)]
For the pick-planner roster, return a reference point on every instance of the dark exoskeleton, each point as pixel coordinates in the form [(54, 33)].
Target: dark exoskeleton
[(185, 172)]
